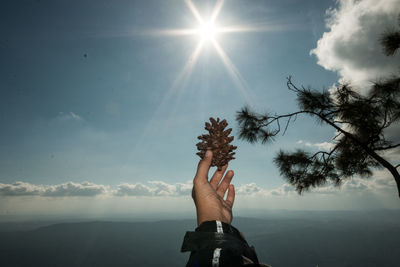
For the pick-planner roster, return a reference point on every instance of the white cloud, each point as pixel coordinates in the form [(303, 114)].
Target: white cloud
[(326, 146), (74, 189), (283, 190), (381, 182), (69, 189), (138, 189), (157, 188), (351, 45), (252, 189), (61, 190), (161, 188), (392, 155), (248, 189), (69, 116), (184, 189), (20, 189)]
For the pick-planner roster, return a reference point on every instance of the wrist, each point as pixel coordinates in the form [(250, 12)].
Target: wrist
[(216, 216), (202, 220)]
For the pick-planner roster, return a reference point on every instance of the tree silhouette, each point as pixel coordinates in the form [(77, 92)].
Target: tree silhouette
[(359, 120), (391, 41)]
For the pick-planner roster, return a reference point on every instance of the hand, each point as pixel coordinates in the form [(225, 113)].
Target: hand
[(208, 196)]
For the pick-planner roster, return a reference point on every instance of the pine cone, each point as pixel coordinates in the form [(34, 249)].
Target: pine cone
[(218, 141)]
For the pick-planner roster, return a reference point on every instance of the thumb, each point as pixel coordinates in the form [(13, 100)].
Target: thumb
[(204, 167)]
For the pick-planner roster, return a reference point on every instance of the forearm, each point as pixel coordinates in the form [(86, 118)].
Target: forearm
[(218, 244)]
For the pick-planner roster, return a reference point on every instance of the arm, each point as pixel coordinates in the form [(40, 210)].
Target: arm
[(215, 242)]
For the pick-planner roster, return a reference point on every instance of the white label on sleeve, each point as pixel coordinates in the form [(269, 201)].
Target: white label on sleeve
[(219, 227), (215, 260)]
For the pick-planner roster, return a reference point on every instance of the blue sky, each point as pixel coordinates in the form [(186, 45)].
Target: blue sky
[(90, 90)]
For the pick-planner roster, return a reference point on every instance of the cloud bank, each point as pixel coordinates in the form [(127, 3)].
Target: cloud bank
[(351, 45), (88, 189), (320, 146), (85, 189), (159, 197), (157, 188), (381, 182)]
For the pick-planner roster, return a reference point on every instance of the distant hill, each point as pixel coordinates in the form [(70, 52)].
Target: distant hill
[(301, 241)]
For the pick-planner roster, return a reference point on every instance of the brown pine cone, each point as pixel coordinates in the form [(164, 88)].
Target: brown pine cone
[(218, 141)]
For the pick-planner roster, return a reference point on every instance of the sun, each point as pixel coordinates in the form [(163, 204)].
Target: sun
[(207, 31)]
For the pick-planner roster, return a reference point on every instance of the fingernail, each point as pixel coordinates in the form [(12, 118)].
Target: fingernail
[(208, 153)]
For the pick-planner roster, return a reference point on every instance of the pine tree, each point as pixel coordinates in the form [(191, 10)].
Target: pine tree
[(359, 120)]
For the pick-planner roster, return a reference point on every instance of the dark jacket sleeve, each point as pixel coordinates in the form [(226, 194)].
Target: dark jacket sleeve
[(217, 244)]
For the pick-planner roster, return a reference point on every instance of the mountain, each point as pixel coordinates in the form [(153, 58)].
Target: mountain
[(308, 240)]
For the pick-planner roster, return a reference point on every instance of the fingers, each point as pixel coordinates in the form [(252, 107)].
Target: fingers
[(231, 195), (225, 183), (203, 168), (218, 176)]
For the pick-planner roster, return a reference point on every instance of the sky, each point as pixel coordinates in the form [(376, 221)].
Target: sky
[(101, 102)]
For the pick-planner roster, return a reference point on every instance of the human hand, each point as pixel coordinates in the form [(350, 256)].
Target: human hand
[(208, 196)]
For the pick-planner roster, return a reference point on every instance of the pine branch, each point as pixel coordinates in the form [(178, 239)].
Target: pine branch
[(336, 136), (321, 152), (386, 147), (291, 86), (334, 112), (385, 124), (287, 124), (327, 160), (276, 118)]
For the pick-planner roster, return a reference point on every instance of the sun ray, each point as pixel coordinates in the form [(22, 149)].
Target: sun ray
[(175, 90), (181, 82), (173, 32), (257, 27), (216, 10), (194, 11), (182, 79), (245, 28), (233, 72)]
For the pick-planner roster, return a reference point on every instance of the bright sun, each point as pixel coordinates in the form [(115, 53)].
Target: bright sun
[(207, 31)]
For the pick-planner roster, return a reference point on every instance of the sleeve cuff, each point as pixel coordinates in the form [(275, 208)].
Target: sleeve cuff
[(215, 234), (220, 227)]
